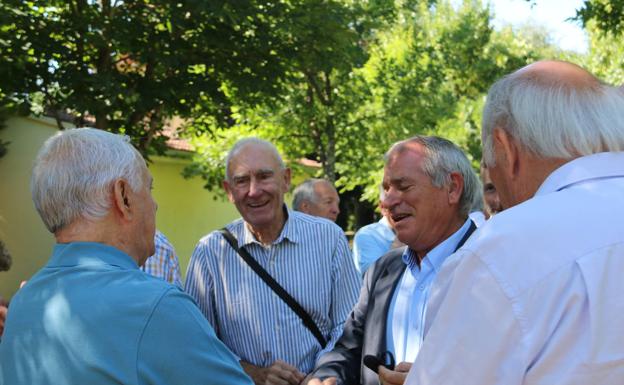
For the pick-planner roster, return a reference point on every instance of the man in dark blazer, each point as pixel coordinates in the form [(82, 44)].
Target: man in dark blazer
[(430, 188)]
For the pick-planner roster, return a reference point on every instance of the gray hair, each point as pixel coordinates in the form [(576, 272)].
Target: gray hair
[(252, 141), (305, 193), (442, 157), (554, 119), (74, 172)]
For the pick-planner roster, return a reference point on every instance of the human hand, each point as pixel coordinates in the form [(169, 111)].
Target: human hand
[(279, 373), (316, 381), (396, 376)]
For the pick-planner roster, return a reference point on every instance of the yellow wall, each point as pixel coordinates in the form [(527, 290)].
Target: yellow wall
[(186, 211)]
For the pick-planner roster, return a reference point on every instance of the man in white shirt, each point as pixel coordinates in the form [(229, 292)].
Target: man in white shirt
[(535, 297)]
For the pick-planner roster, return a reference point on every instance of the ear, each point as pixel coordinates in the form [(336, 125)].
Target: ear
[(226, 187), (286, 179), (506, 152), (455, 188), (304, 207), (121, 199)]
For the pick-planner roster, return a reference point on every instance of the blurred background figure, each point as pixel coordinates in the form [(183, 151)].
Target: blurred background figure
[(5, 258), (317, 197), (372, 241), (490, 195), (5, 264), (164, 264)]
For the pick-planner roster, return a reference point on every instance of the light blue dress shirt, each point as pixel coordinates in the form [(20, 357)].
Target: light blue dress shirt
[(370, 243), (311, 261), (92, 317), (406, 315)]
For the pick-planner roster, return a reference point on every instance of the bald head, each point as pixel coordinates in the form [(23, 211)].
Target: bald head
[(542, 116), (554, 73), (555, 109), (252, 143)]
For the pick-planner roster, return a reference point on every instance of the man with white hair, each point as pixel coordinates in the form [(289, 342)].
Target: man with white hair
[(317, 197), (278, 339), (90, 316), (535, 297), (429, 190)]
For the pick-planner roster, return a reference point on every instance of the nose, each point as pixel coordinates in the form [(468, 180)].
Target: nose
[(254, 188), (389, 199)]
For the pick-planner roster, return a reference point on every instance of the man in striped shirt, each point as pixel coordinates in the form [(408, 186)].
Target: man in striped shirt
[(308, 256), (164, 264)]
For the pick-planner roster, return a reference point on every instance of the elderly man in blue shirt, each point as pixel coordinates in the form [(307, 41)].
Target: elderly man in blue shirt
[(90, 316)]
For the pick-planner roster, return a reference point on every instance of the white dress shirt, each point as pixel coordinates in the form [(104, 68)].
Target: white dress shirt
[(536, 296)]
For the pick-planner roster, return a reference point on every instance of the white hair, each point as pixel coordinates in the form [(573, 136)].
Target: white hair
[(252, 141), (554, 120), (442, 157), (305, 192), (74, 173)]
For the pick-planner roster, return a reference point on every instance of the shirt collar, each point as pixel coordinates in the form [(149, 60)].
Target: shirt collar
[(289, 230), (89, 253), (438, 254), (595, 166)]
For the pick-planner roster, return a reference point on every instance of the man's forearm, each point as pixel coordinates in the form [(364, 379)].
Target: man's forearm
[(278, 372)]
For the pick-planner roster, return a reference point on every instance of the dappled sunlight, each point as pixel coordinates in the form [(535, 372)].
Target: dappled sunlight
[(38, 352)]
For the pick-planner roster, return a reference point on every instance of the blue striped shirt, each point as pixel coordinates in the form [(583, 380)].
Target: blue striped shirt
[(164, 264), (310, 259)]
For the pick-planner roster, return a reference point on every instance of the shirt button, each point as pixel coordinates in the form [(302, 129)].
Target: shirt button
[(422, 287)]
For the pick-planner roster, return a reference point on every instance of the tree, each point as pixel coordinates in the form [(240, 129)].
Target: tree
[(604, 58), (602, 20), (128, 66), (423, 70), (606, 15)]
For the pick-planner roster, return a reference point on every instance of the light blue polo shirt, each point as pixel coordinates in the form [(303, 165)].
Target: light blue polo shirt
[(90, 316)]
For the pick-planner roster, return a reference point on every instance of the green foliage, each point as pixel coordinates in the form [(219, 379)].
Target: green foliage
[(605, 55), (128, 66), (603, 15), (322, 87), (423, 69), (336, 81)]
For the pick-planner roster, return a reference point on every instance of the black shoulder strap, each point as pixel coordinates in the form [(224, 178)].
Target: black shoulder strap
[(276, 287), (469, 232)]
